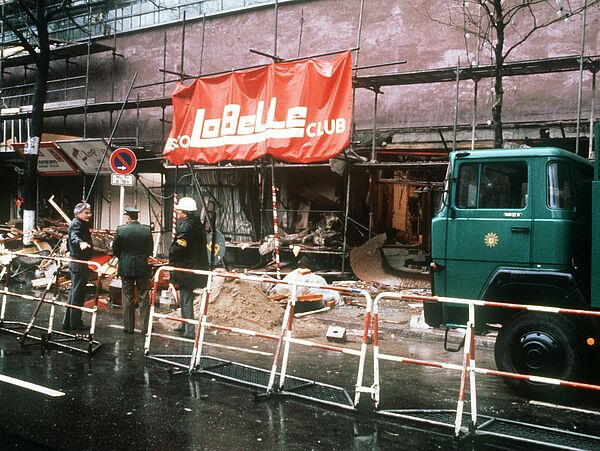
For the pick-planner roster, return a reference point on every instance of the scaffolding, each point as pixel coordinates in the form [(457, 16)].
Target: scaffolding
[(93, 23)]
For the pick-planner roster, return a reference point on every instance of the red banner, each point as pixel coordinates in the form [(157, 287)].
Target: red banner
[(297, 112)]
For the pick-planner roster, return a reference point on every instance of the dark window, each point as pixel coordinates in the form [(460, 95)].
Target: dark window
[(492, 185)]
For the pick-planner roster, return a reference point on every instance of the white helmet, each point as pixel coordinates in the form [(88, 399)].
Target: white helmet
[(186, 204)]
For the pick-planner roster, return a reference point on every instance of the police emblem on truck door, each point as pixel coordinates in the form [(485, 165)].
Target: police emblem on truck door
[(490, 239)]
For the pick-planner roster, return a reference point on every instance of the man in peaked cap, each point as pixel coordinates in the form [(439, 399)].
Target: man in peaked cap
[(133, 245)]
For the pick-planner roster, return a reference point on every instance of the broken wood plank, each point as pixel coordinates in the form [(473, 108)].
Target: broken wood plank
[(310, 297), (312, 312)]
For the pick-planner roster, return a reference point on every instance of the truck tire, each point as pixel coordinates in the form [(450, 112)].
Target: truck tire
[(538, 344)]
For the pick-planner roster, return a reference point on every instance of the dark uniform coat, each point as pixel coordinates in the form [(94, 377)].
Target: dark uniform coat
[(133, 245), (79, 231), (188, 250)]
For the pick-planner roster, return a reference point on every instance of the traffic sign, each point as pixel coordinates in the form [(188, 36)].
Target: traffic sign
[(123, 161), (121, 179)]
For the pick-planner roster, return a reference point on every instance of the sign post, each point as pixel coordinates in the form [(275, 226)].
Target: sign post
[(122, 162)]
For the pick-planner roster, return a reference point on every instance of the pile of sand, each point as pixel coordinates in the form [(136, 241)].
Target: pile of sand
[(243, 304)]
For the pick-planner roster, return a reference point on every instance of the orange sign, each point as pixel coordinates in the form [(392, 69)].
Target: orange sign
[(296, 111)]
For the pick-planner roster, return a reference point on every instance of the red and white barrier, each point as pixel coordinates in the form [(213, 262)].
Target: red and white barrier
[(49, 329), (469, 364), (284, 339)]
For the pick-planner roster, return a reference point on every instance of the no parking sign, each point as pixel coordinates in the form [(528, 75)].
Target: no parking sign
[(123, 161)]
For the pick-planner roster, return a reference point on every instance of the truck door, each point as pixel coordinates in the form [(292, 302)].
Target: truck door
[(490, 225)]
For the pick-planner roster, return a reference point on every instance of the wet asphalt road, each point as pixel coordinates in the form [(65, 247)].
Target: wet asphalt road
[(120, 399)]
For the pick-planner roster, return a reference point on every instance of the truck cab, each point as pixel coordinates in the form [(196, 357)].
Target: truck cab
[(515, 226)]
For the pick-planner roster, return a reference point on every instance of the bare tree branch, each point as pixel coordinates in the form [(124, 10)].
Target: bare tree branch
[(537, 26), (23, 40), (32, 17), (54, 10)]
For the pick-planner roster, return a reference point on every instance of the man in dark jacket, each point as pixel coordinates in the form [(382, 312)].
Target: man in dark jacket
[(80, 247), (133, 245), (188, 250)]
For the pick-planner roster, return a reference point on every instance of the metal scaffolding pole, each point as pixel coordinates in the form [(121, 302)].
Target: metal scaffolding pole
[(276, 27), (358, 36), (87, 71), (163, 83), (114, 60), (181, 69), (202, 44), (346, 213), (591, 155), (455, 129), (373, 138), (580, 89), (474, 120)]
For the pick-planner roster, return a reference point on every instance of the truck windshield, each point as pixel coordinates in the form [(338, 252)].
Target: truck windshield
[(492, 185)]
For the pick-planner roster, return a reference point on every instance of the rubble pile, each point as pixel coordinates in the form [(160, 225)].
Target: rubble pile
[(50, 238), (243, 304), (327, 232)]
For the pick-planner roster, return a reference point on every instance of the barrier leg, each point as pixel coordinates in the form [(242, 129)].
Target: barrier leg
[(375, 393), (92, 330), (199, 343), (463, 380), (51, 281), (53, 305), (363, 352), (288, 336), (6, 273), (148, 335), (151, 317), (472, 366), (289, 311)]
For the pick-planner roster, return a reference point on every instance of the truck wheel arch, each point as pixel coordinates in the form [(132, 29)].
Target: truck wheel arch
[(526, 286)]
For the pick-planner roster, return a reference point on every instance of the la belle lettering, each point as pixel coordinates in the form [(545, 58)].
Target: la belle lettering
[(234, 129)]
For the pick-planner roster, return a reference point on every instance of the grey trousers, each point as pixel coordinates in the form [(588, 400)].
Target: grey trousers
[(128, 295), (79, 280), (186, 300)]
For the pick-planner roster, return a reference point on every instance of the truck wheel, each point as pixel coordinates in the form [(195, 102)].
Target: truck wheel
[(537, 344)]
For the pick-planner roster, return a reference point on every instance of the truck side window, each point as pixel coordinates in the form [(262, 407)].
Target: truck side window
[(466, 196), (560, 189), (492, 185)]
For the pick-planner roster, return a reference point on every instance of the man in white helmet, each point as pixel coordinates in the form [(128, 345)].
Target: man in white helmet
[(188, 250)]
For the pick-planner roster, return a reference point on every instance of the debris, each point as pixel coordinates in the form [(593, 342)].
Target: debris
[(321, 310), (369, 264), (38, 283), (336, 334), (418, 322), (300, 275), (59, 210), (311, 297), (243, 304)]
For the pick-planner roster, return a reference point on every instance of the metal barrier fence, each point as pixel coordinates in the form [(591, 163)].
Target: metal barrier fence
[(48, 335), (273, 380), (468, 369)]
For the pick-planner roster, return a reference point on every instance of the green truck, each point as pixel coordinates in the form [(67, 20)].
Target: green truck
[(522, 226)]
